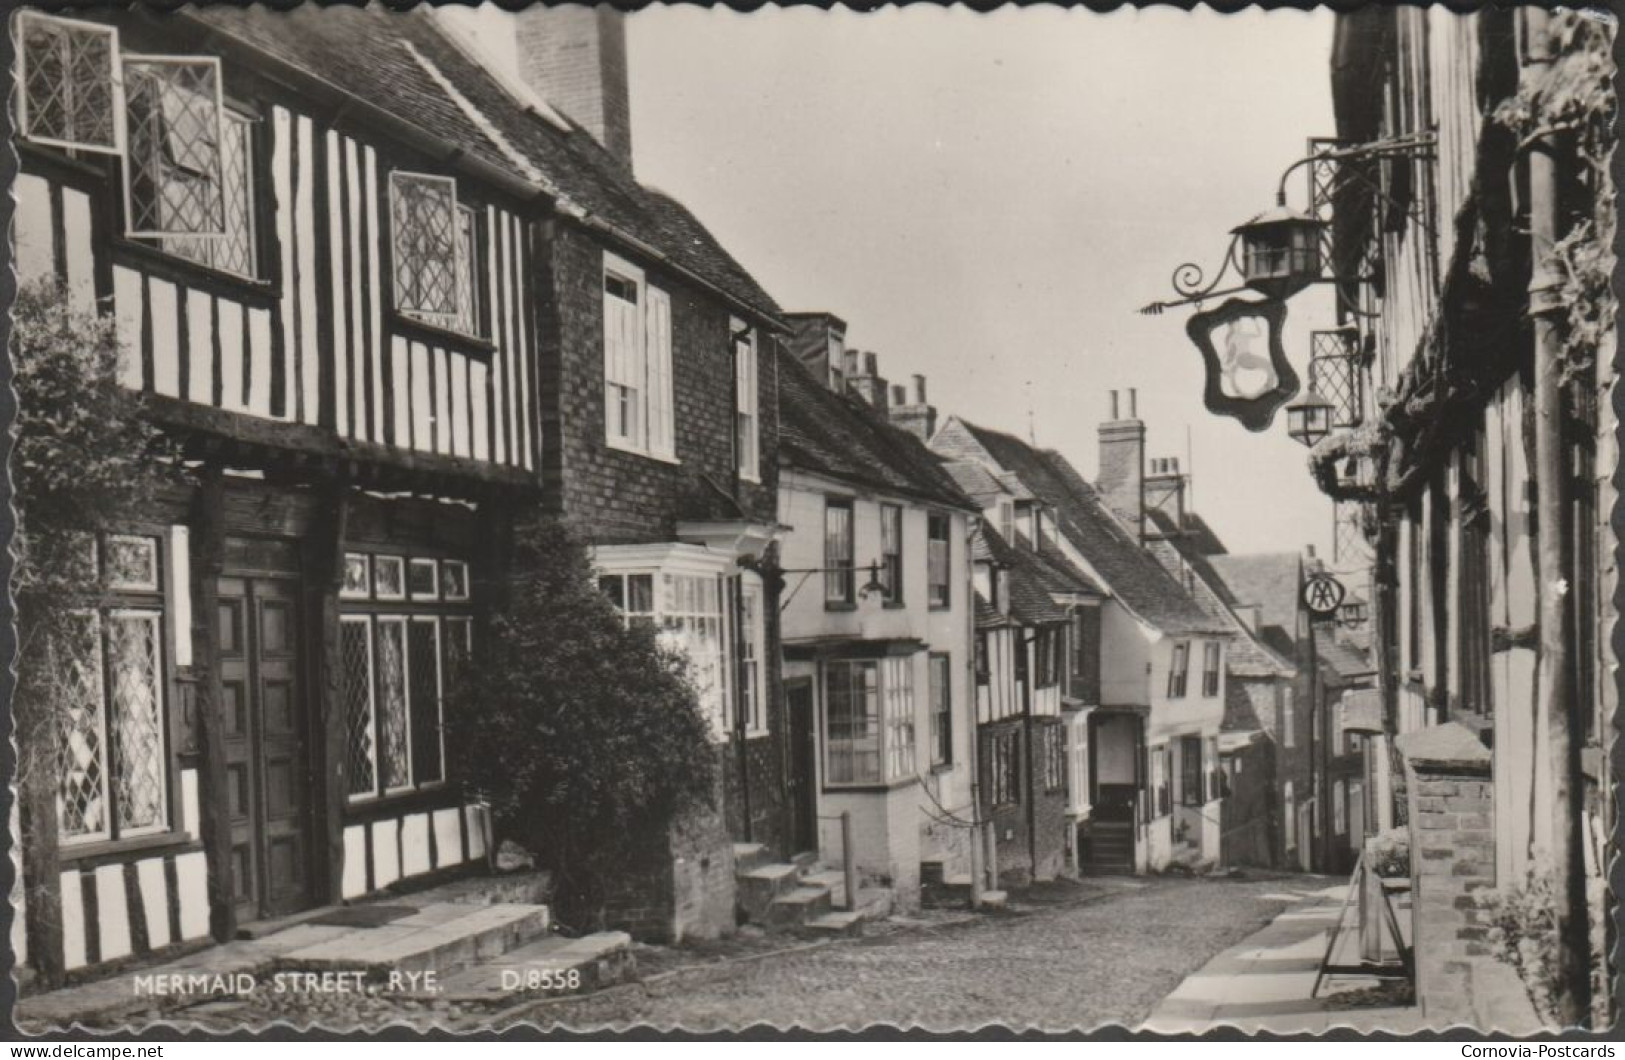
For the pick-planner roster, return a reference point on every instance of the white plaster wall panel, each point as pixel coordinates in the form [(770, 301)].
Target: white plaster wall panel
[(233, 357), (73, 920), (166, 345), (80, 255), (154, 900), (127, 322), (422, 405), (448, 838), (415, 844), (192, 883), (193, 822), (375, 310), (338, 280), (354, 882), (199, 348), (386, 853), (260, 356), (112, 912), (401, 412), (282, 134), (474, 818), (309, 360), (35, 246)]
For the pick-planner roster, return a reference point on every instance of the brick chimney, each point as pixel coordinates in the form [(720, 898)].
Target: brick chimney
[(819, 342), (1165, 490), (1121, 480), (917, 417), (575, 58), (867, 383)]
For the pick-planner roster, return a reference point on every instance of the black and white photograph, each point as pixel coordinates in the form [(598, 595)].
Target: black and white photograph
[(546, 520)]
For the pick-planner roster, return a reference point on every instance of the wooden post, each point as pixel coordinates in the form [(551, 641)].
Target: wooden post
[(330, 765), (208, 561), (1555, 562), (42, 870)]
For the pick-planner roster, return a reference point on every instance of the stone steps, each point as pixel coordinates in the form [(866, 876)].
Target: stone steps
[(443, 937)]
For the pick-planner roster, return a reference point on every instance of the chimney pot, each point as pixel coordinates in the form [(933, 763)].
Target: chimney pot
[(919, 389), (1114, 404), (899, 394), (1133, 403), (871, 363)]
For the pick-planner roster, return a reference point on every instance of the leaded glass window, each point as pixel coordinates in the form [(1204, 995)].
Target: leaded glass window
[(235, 252), (394, 747), (135, 671), (356, 653), (423, 664), (173, 173), (74, 659), (435, 247), (70, 90)]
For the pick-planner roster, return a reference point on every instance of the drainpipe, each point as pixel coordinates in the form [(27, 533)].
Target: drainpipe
[(1032, 773), (1554, 559)]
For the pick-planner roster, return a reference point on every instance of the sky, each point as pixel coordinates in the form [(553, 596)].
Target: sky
[(987, 198)]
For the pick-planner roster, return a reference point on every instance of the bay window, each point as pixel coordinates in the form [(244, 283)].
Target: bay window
[(868, 721), (638, 408), (400, 659)]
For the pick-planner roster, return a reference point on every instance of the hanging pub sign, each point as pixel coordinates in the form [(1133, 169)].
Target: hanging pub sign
[(1248, 376), (1323, 595)]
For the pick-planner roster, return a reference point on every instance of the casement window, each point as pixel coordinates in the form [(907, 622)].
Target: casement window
[(174, 180), (405, 640), (237, 251), (891, 553), (1289, 718), (638, 407), (1083, 633), (940, 670), (1179, 670), (109, 669), (868, 721), (1054, 737), (1007, 520), (1004, 767), (434, 246), (1340, 807), (938, 561), (690, 611), (1210, 669), (747, 441), (70, 93), (983, 665), (752, 653), (840, 575)]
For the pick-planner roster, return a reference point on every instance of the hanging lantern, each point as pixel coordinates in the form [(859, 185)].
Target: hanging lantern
[(1280, 252), (1248, 375), (1309, 419), (1352, 613)]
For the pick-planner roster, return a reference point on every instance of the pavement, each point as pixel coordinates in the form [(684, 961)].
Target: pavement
[(1264, 982)]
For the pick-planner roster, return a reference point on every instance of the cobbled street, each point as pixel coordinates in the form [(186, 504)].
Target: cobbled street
[(1106, 954)]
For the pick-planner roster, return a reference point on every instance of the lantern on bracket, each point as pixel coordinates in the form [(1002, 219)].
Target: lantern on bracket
[(1280, 251), (1247, 374), (1309, 419)]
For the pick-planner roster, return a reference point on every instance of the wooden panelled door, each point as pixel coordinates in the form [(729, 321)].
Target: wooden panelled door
[(267, 764)]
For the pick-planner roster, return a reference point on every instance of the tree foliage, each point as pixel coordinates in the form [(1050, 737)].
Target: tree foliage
[(585, 736)]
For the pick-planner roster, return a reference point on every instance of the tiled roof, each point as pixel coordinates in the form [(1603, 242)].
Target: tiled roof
[(1031, 602), (1128, 571), (1060, 573), (1346, 661), (1247, 655), (363, 51), (987, 616), (843, 437), (1270, 580), (975, 481)]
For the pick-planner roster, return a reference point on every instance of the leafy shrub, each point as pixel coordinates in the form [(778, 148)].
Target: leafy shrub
[(585, 736), (1522, 919)]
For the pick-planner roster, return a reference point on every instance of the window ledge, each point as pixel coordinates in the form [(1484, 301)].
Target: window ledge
[(176, 269), (877, 788), (69, 853), (939, 607), (647, 454), (471, 344), (942, 767), (894, 605), (838, 605)]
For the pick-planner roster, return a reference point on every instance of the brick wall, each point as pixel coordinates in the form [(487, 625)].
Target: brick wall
[(1450, 798), (575, 58), (626, 498)]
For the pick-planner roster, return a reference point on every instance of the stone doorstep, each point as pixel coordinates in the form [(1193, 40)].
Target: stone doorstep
[(749, 856), (440, 938), (602, 960), (839, 922), (799, 906)]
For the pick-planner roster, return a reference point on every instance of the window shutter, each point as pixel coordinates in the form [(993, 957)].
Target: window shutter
[(174, 131), (70, 94), (423, 230), (662, 434)]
